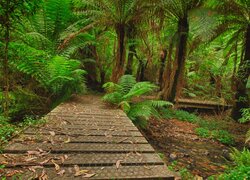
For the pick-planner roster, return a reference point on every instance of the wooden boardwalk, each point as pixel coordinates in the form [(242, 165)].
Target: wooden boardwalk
[(84, 139)]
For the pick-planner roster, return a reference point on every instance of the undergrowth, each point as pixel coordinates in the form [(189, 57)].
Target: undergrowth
[(9, 129), (241, 168), (123, 95), (207, 129)]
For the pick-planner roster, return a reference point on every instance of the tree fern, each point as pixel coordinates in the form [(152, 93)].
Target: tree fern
[(122, 94)]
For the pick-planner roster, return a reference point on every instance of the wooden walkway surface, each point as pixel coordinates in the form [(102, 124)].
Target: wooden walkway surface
[(84, 139)]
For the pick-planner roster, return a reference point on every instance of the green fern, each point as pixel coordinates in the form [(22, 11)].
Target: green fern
[(122, 94)]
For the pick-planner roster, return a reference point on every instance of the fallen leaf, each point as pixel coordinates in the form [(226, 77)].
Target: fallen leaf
[(57, 167), (4, 162), (88, 175), (79, 172), (67, 141), (30, 159), (12, 173), (45, 161), (52, 133), (118, 163), (138, 154), (62, 159), (66, 156), (40, 150), (61, 173), (33, 168), (33, 153), (43, 176)]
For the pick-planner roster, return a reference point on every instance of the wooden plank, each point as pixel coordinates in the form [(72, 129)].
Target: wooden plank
[(91, 159), (92, 126), (78, 147), (84, 132), (87, 123), (81, 139), (152, 172), (89, 115)]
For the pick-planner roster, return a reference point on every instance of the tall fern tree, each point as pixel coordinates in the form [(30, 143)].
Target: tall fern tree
[(124, 93), (178, 11), (44, 29), (119, 16), (235, 18), (10, 13)]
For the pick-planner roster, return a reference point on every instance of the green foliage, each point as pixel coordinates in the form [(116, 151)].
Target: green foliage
[(223, 136), (202, 132), (241, 170), (240, 158), (186, 175), (245, 115), (220, 135), (6, 129), (126, 89), (180, 115), (123, 93)]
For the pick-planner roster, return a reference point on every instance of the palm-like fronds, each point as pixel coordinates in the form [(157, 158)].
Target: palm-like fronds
[(127, 88)]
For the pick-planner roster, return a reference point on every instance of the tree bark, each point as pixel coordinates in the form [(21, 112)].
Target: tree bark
[(118, 69), (162, 67), (181, 50), (165, 84), (241, 95), (132, 52)]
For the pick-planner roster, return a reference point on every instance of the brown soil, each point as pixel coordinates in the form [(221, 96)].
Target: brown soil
[(178, 142)]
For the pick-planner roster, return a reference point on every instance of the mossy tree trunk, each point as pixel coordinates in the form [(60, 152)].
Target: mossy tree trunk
[(241, 95), (169, 92), (118, 69)]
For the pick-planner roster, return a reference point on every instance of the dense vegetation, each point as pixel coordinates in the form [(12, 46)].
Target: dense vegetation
[(194, 49)]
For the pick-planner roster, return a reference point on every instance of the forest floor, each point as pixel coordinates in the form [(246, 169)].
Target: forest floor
[(182, 149)]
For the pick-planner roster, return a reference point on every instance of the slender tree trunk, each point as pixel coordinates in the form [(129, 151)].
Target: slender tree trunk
[(183, 30), (140, 71), (163, 62), (241, 95), (165, 84), (6, 65), (118, 69), (131, 54)]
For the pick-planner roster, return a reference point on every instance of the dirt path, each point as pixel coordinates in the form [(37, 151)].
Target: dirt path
[(178, 142)]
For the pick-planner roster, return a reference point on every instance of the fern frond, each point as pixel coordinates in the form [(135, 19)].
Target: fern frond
[(139, 89), (111, 87), (113, 98), (127, 82)]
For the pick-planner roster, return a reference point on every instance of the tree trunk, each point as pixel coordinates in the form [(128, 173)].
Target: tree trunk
[(131, 54), (118, 69), (163, 62), (241, 95), (166, 78), (183, 30), (140, 71)]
